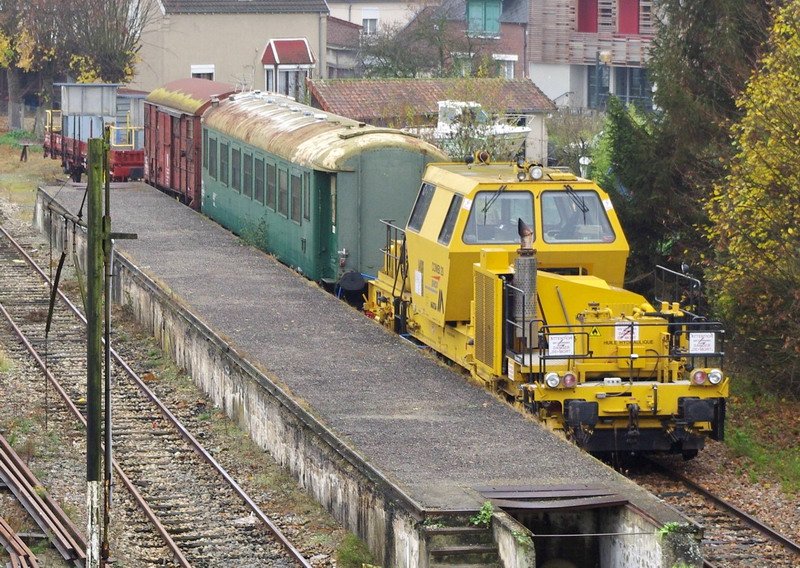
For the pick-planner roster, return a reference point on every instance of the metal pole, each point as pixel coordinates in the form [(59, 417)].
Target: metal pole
[(107, 250), (94, 377), (597, 80)]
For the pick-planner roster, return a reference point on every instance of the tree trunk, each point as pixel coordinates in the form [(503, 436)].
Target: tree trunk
[(16, 108)]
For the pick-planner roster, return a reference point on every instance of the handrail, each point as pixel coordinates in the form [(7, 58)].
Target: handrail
[(49, 122), (690, 340), (128, 135), (673, 284)]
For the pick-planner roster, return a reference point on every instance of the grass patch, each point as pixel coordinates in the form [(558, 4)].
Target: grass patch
[(762, 428), (5, 362), (783, 463), (353, 553), (14, 138), (19, 179)]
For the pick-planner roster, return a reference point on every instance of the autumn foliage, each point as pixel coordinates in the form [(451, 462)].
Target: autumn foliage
[(754, 211)]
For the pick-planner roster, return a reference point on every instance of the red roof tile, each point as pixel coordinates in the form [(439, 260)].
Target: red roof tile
[(288, 52), (342, 33), (239, 7), (382, 100)]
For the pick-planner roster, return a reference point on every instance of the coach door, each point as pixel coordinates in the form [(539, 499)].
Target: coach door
[(402, 171), (326, 191), (176, 180), (163, 149)]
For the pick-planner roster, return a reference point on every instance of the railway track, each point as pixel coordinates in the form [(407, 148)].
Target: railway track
[(731, 537), (194, 507)]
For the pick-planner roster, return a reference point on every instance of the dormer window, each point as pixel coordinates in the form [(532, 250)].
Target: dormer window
[(483, 18)]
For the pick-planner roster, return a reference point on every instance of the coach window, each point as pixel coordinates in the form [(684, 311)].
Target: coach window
[(236, 168), (450, 220), (211, 157), (333, 204), (421, 206), (205, 148), (296, 191), (271, 186), (223, 163), (247, 175), (307, 195), (283, 192), (258, 176)]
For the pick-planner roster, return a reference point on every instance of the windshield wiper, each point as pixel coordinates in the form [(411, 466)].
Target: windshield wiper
[(497, 193), (579, 201)]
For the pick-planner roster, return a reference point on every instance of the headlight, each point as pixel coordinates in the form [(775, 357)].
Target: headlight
[(536, 173), (570, 380), (699, 377), (715, 376), (552, 380)]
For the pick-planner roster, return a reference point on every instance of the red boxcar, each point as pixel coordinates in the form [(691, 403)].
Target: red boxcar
[(173, 145), (87, 110)]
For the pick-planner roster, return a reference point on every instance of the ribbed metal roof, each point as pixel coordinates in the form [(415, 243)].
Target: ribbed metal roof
[(304, 135)]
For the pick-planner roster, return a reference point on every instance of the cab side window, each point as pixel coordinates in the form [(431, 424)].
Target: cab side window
[(450, 220), (421, 207)]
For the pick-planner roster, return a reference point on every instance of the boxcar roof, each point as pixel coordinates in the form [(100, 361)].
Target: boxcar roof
[(189, 95), (304, 135)]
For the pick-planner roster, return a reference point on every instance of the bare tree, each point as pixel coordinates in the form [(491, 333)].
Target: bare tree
[(433, 44), (105, 46), (57, 37), (37, 44), (573, 135), (10, 25), (481, 120)]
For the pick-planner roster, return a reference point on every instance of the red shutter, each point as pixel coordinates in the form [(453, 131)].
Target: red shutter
[(628, 22), (587, 16)]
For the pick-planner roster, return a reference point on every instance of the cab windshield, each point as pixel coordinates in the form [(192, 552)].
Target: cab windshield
[(572, 216), (493, 216)]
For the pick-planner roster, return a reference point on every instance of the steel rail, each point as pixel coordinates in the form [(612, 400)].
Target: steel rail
[(748, 519), (178, 555), (184, 433), (19, 553), (201, 451), (126, 481), (48, 515)]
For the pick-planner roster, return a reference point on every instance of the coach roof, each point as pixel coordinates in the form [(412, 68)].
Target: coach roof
[(304, 135)]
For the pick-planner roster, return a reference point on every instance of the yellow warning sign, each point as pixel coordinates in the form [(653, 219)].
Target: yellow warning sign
[(595, 332)]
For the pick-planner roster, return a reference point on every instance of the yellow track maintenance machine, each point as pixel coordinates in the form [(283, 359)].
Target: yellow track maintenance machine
[(515, 272)]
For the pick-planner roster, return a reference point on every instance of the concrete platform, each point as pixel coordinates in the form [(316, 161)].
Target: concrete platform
[(380, 432)]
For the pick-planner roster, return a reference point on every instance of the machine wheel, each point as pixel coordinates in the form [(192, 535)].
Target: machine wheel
[(689, 454)]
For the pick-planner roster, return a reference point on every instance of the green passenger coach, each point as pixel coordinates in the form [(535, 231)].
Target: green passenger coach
[(307, 186)]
